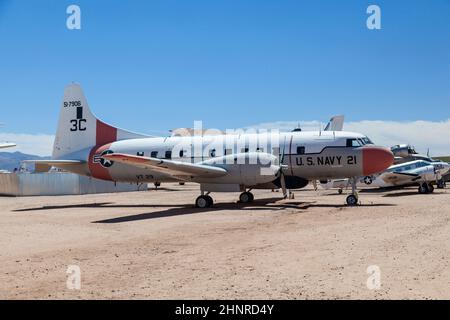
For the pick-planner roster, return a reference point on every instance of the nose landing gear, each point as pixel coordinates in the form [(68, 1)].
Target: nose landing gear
[(441, 184), (352, 200)]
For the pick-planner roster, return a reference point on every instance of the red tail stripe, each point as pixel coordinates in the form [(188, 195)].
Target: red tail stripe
[(105, 133)]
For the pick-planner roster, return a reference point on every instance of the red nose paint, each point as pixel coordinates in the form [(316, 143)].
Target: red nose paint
[(376, 159)]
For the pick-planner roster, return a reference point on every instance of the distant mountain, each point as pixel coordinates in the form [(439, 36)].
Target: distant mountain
[(11, 160)]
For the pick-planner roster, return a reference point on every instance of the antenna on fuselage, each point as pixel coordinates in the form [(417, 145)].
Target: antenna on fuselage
[(298, 128)]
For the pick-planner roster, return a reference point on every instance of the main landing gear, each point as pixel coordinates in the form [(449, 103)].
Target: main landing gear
[(246, 197), (425, 188), (352, 200), (204, 201)]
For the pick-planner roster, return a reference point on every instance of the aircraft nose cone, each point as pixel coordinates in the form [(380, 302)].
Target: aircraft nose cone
[(376, 159)]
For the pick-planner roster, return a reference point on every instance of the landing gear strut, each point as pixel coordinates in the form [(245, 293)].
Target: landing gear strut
[(425, 188), (204, 201), (246, 197), (352, 200)]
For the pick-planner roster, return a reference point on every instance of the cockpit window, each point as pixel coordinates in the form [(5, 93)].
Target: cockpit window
[(358, 142), (367, 140), (352, 143)]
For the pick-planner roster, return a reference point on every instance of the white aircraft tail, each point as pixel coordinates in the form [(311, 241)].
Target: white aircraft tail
[(79, 129), (336, 124)]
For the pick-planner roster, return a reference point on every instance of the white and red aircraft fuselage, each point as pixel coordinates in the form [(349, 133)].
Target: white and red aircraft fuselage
[(230, 162)]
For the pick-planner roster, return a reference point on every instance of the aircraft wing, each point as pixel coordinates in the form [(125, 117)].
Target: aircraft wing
[(7, 145), (399, 177), (173, 168)]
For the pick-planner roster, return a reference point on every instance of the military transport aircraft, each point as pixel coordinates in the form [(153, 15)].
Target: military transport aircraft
[(418, 172), (232, 162)]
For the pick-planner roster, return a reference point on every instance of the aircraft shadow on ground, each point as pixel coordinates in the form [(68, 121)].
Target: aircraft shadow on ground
[(272, 204), (257, 205), (384, 190), (406, 194), (318, 205), (234, 205)]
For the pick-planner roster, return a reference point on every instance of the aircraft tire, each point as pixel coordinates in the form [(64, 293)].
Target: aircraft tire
[(441, 184), (430, 188), (340, 191), (246, 197), (210, 201), (423, 188), (203, 202), (352, 200)]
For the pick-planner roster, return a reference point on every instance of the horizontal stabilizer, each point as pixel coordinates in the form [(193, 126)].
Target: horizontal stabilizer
[(77, 166), (56, 163), (7, 145)]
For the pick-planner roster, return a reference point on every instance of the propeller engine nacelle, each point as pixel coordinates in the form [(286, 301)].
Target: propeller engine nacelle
[(247, 169), (292, 182), (403, 150)]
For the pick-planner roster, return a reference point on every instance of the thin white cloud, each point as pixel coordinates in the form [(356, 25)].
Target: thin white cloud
[(35, 144), (424, 135)]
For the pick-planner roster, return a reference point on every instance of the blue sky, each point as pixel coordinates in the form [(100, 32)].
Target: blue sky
[(155, 65)]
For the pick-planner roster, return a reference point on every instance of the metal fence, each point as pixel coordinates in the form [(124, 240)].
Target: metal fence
[(53, 184)]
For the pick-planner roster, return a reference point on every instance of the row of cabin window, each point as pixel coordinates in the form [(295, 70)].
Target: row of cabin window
[(212, 153)]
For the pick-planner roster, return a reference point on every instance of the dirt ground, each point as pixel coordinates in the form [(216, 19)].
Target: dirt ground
[(156, 245)]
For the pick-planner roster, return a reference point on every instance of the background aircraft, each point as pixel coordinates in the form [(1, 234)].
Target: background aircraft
[(219, 163), (406, 153), (6, 144), (417, 172)]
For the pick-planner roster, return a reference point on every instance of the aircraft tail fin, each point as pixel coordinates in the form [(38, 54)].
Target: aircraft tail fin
[(336, 124), (79, 129)]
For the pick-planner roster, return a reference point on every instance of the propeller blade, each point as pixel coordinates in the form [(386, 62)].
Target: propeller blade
[(283, 185), (282, 155)]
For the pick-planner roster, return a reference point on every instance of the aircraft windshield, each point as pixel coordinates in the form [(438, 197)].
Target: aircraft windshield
[(367, 140), (358, 142)]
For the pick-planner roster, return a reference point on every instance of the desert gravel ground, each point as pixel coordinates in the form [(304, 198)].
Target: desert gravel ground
[(156, 245)]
